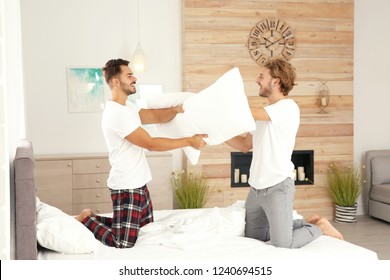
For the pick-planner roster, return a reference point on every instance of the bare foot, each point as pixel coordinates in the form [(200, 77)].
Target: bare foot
[(313, 219), (85, 213), (328, 229)]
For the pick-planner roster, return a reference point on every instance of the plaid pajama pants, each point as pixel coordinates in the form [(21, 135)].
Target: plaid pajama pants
[(132, 210)]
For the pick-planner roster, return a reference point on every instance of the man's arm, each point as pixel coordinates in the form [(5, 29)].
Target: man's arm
[(241, 143), (150, 116), (260, 114), (141, 138)]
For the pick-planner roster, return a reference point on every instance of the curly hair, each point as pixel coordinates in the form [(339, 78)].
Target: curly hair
[(113, 67), (282, 70)]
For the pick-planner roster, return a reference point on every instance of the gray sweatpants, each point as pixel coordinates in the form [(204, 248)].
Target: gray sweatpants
[(269, 216)]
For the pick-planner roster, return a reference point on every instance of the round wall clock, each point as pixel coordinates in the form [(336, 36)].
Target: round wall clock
[(271, 38)]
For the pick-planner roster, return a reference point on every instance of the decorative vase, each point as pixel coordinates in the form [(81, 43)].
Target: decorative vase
[(346, 214)]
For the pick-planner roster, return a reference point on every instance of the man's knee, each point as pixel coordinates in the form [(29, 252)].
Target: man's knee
[(256, 234), (282, 243)]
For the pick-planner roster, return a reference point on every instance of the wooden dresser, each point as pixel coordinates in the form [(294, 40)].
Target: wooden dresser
[(75, 182)]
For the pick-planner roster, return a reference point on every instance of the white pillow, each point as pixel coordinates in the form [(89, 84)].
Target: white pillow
[(60, 232), (167, 99), (221, 111)]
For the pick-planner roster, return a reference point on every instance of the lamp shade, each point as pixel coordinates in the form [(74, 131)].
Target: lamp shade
[(138, 60)]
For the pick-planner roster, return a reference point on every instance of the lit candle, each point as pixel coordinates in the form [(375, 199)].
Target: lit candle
[(236, 175), (244, 178), (323, 101)]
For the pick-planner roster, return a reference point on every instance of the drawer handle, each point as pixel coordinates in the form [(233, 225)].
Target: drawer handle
[(98, 195), (97, 210), (98, 181), (97, 165), (69, 165)]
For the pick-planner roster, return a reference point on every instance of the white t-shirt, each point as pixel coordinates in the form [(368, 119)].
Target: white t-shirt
[(129, 167), (273, 144)]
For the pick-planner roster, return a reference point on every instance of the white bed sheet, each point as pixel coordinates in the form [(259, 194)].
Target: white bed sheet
[(213, 234)]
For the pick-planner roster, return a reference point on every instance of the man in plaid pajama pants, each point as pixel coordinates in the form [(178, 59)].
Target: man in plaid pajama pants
[(127, 141)]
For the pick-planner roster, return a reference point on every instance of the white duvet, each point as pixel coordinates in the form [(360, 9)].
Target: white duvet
[(213, 233)]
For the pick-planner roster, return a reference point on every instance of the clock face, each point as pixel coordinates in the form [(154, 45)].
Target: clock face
[(271, 38)]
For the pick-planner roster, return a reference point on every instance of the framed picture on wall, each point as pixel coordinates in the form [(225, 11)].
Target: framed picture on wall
[(85, 90)]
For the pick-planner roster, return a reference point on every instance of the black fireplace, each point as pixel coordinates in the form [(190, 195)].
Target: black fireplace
[(303, 161)]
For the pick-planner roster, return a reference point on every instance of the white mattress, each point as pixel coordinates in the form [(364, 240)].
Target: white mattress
[(213, 234)]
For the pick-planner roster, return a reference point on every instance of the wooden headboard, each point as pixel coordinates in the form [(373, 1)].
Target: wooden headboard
[(25, 202)]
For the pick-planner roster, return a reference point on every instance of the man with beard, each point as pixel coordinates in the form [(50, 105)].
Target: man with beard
[(269, 205), (127, 141)]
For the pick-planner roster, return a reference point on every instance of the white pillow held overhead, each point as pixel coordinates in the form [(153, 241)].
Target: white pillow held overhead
[(221, 111)]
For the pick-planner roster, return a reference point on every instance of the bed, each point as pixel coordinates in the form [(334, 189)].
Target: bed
[(197, 234)]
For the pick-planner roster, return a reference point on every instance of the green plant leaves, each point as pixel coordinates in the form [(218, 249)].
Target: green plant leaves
[(191, 190), (344, 184)]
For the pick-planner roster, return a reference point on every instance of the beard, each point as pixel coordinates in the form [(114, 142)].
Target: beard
[(128, 89), (265, 91)]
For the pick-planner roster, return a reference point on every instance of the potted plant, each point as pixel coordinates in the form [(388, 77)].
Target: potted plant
[(191, 190), (345, 188)]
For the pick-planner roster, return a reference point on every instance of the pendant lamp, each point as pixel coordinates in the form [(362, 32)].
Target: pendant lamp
[(138, 59)]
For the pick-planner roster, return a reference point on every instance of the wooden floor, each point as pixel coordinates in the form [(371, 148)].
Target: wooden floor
[(371, 233)]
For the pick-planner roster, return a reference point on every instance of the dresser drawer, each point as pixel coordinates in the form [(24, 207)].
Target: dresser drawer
[(98, 165), (87, 181), (54, 183), (97, 208), (91, 196)]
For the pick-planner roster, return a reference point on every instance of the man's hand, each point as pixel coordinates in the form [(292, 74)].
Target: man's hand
[(178, 108), (197, 141)]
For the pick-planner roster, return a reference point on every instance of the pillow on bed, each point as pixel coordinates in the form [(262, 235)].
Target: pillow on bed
[(60, 232), (221, 111), (380, 170)]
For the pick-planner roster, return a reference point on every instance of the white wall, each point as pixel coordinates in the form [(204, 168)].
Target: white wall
[(372, 77), (11, 116), (73, 33)]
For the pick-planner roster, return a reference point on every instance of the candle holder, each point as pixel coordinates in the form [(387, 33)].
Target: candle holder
[(323, 97)]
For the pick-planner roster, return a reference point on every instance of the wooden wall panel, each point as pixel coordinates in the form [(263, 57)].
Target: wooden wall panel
[(215, 35)]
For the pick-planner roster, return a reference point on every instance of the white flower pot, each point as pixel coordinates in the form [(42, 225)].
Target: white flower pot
[(345, 214)]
